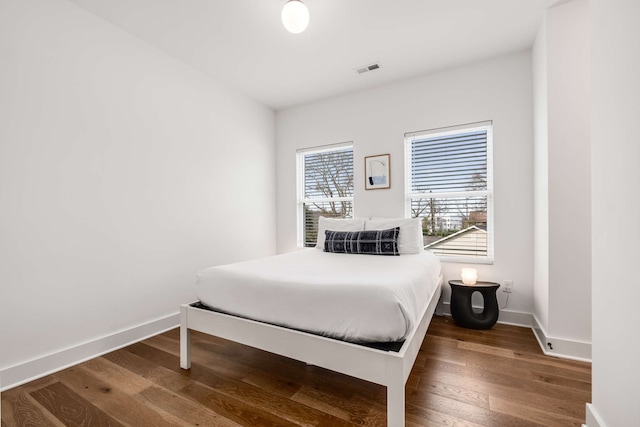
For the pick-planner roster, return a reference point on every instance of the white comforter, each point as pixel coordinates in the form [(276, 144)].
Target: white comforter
[(357, 298)]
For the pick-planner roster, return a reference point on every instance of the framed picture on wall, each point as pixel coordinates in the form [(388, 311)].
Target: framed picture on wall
[(376, 169)]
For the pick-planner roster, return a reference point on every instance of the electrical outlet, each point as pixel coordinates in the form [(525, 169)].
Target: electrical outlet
[(508, 286)]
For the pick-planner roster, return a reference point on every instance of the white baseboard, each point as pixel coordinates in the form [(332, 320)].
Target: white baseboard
[(560, 347), (563, 348), (22, 373), (593, 419), (507, 317)]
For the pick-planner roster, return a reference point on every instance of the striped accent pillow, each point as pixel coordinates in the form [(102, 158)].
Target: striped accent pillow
[(368, 242)]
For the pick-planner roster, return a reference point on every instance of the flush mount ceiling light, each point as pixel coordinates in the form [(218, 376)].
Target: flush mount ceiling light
[(295, 16)]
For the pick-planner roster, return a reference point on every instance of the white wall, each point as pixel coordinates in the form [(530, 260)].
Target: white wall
[(122, 173), (562, 289), (615, 207), (569, 160), (540, 179), (376, 120)]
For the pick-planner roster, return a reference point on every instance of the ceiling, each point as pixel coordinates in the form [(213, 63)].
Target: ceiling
[(242, 43)]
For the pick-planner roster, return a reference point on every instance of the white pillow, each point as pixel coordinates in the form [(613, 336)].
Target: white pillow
[(410, 238), (337, 224)]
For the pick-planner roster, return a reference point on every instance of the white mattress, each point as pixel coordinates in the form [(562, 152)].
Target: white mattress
[(357, 298)]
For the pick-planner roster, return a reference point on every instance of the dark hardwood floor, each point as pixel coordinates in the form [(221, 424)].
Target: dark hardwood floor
[(497, 377)]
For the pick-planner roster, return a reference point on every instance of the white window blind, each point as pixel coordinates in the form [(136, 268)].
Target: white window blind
[(325, 188), (449, 183)]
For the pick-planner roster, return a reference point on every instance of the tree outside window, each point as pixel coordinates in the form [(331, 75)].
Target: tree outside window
[(325, 188)]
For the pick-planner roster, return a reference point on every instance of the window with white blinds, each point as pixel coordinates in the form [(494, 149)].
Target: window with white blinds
[(325, 187), (449, 184)]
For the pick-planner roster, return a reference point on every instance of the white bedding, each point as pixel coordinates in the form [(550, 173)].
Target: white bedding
[(357, 298)]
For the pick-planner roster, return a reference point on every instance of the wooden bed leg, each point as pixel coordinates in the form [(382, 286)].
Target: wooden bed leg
[(395, 402), (185, 340)]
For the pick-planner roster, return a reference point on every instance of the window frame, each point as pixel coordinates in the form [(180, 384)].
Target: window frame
[(300, 186), (489, 192)]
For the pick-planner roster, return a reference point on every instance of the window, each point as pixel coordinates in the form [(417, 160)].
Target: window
[(325, 188), (449, 183)]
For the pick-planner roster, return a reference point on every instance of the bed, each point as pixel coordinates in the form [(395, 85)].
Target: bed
[(360, 315)]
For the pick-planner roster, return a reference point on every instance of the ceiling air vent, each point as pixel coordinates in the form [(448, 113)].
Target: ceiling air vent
[(367, 68)]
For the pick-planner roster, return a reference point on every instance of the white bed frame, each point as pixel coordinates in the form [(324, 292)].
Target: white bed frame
[(387, 368)]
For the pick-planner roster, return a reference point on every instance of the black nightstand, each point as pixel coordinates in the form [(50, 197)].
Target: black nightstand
[(461, 308)]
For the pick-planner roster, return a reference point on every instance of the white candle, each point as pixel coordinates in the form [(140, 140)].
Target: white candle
[(469, 276)]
